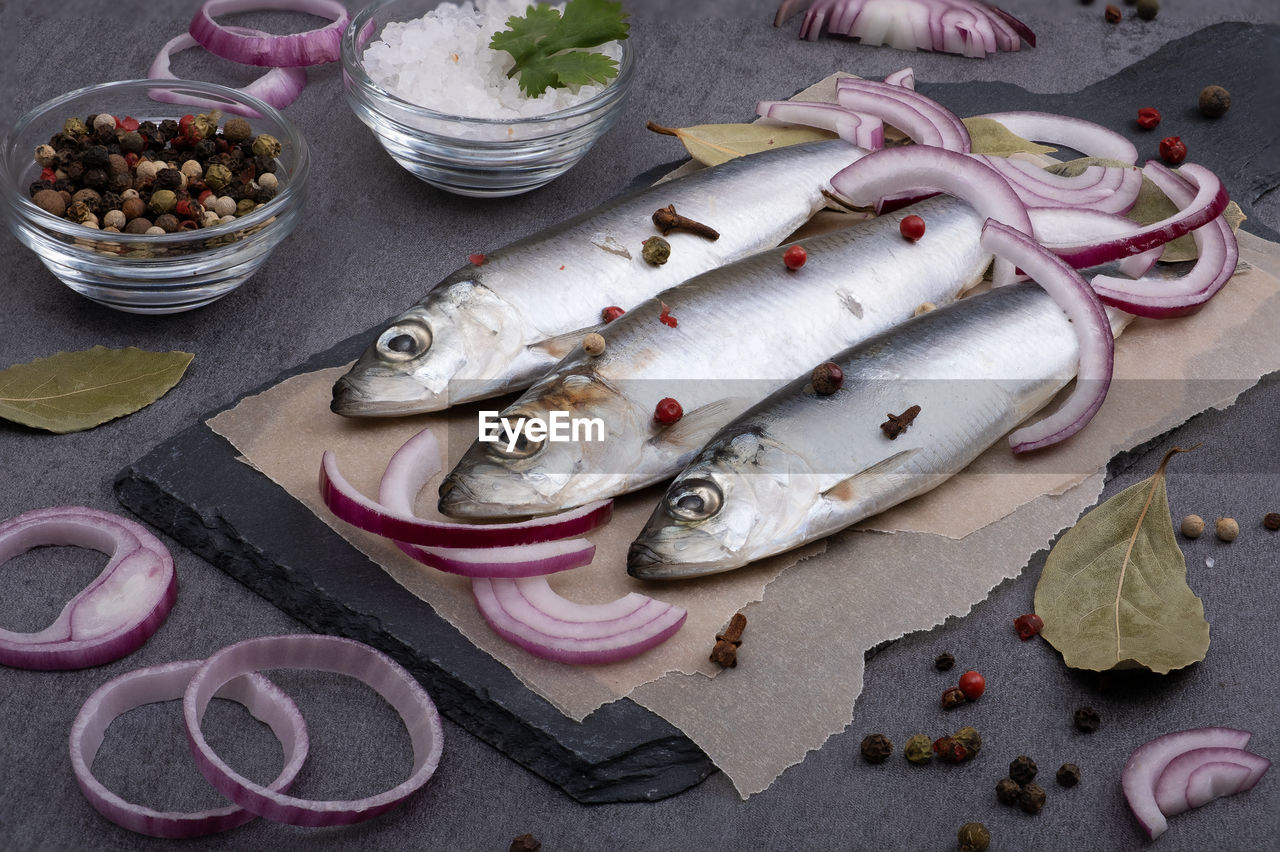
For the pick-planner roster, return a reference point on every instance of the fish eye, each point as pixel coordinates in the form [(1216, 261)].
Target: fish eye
[(405, 340), (695, 500), (523, 447)]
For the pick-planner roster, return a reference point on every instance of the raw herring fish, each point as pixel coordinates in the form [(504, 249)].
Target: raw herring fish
[(799, 466), (497, 327), (741, 332)]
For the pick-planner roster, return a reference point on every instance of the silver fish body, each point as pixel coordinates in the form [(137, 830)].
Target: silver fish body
[(739, 333), (798, 466), (495, 327)]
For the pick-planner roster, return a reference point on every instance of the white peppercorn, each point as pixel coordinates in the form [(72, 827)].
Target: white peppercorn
[(155, 231), (192, 170), (115, 219), (225, 206), (268, 180), (104, 121)]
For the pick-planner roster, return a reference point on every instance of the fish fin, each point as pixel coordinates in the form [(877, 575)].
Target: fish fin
[(846, 489), (695, 428), (561, 345)]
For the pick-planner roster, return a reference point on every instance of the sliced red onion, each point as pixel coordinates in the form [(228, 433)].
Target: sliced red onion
[(264, 700), (274, 51), (896, 170), (863, 130), (528, 613), (1214, 780), (1206, 205), (925, 120), (359, 511), (1143, 769), (1092, 140), (905, 77), (968, 27), (1089, 319), (411, 468), (113, 615), (1104, 188), (323, 653), (1062, 227), (279, 87), (1158, 298), (1172, 788)]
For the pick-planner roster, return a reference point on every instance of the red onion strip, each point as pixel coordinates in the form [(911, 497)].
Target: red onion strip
[(275, 51), (1213, 780), (1143, 769), (1102, 188), (113, 615), (1070, 226), (411, 468), (1173, 791), (1090, 139), (323, 653), (279, 87), (356, 509), (168, 682), (935, 124), (1092, 328), (904, 77), (969, 27), (859, 129)]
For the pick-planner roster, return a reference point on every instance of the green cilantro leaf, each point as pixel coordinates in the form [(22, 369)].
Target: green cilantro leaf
[(544, 44)]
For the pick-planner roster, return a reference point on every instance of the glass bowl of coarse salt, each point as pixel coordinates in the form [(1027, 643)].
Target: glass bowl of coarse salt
[(422, 76)]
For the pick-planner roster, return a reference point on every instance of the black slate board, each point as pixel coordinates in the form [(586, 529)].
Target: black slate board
[(193, 488)]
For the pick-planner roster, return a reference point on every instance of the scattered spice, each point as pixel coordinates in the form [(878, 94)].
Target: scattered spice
[(876, 748), (1068, 775), (593, 344), (667, 411), (725, 652), (898, 423), (1023, 769), (611, 313), (1226, 529), (1086, 719), (668, 220), (1028, 625), (944, 661), (655, 251), (911, 227), (1032, 798), (666, 318), (795, 257), (972, 684), (1112, 14), (969, 738), (1192, 526), (1148, 9), (953, 698), (973, 837), (924, 308), (949, 750), (1271, 521), (525, 843), (919, 749), (1214, 101), (1148, 117), (1008, 791), (1173, 150), (476, 259), (827, 378)]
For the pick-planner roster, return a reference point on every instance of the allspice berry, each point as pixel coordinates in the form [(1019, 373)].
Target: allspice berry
[(236, 130), (1192, 526), (827, 378), (1226, 529), (973, 837), (1271, 520), (50, 201), (593, 344), (1214, 101)]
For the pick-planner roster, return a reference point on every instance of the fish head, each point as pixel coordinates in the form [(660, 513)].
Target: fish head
[(431, 354), (550, 450), (742, 497)]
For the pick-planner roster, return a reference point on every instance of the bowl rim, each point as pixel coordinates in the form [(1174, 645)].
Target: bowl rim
[(359, 31), (293, 190)]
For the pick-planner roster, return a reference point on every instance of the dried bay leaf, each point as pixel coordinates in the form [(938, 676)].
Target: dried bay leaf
[(713, 144), (1113, 592), (988, 136), (73, 391)]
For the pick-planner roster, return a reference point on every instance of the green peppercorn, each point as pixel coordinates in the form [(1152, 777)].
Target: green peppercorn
[(1023, 769), (1148, 9), (1032, 798), (970, 739), (1214, 101), (973, 837), (75, 128), (876, 748), (919, 749), (236, 130), (265, 145), (657, 251), (162, 201), (245, 206), (1008, 791), (217, 177), (1068, 775), (204, 126)]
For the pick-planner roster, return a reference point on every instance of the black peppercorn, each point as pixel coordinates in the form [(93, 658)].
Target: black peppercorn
[(1032, 798), (111, 201), (203, 150), (876, 748), (1008, 791), (170, 179), (95, 178), (1023, 769), (37, 187), (944, 661), (525, 843), (167, 130), (118, 182), (1086, 719), (1068, 775), (74, 170), (96, 157)]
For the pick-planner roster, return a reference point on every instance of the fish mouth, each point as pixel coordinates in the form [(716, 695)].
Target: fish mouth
[(356, 399), (459, 500), (645, 562)]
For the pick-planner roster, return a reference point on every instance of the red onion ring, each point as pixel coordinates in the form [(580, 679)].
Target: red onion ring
[(168, 682), (1173, 787), (324, 653), (112, 616), (411, 468), (1092, 140), (969, 27), (275, 51), (865, 131), (359, 511), (1142, 770), (1092, 328), (1106, 189), (279, 87)]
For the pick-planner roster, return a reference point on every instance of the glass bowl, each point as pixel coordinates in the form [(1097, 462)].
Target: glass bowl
[(479, 157), (140, 273)]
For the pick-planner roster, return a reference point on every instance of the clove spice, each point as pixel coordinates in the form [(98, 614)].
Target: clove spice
[(668, 220), (725, 652), (898, 423)]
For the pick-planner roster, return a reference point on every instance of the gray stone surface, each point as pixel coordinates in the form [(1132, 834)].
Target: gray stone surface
[(372, 241)]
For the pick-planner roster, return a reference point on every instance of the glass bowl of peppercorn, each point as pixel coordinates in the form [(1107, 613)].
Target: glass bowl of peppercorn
[(461, 114), (153, 197)]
